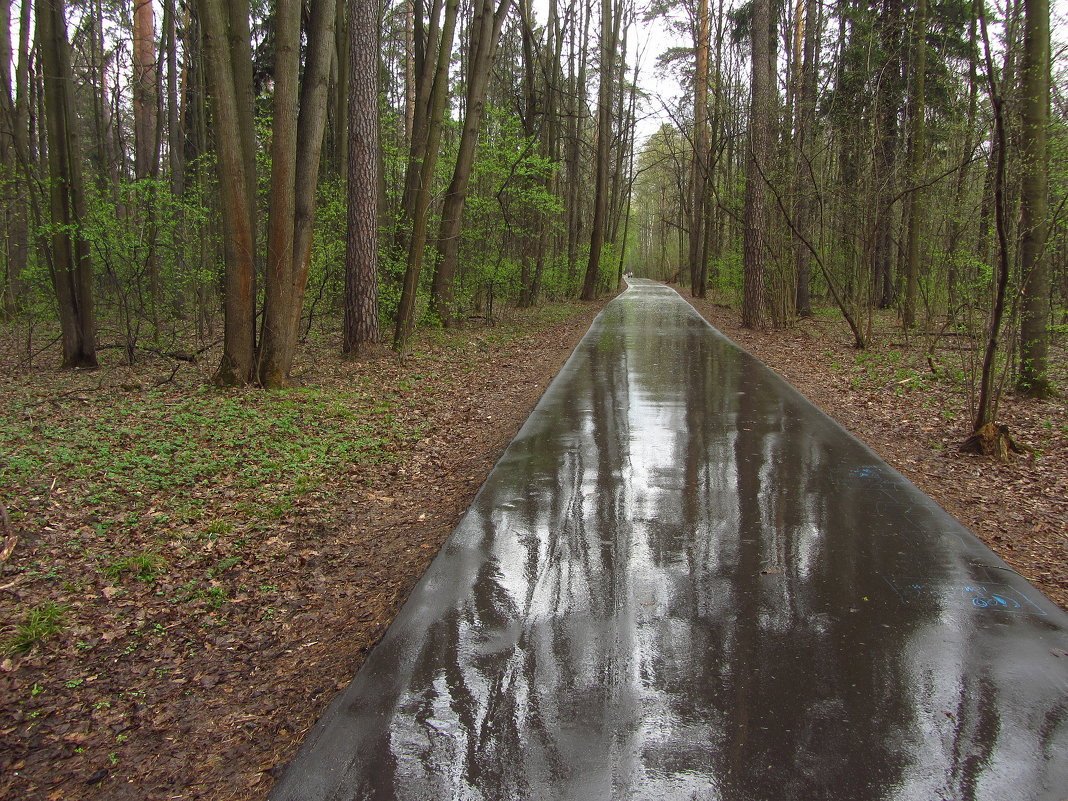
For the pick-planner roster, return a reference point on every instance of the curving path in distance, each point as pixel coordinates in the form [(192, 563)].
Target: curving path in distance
[(683, 581)]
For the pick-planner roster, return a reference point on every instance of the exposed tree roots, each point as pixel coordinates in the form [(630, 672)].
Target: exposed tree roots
[(992, 440)]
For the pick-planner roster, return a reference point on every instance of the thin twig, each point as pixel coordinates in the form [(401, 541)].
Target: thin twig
[(170, 378)]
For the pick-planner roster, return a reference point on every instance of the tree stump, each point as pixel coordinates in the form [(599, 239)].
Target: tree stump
[(991, 440)]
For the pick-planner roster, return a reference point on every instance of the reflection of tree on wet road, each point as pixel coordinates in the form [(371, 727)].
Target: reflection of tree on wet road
[(681, 581)]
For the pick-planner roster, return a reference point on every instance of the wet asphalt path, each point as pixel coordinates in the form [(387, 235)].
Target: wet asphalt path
[(682, 581)]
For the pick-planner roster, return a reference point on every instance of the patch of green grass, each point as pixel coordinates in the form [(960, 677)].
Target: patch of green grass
[(216, 596), (39, 570), (217, 528), (145, 566), (154, 443), (223, 565), (193, 590), (869, 357), (42, 621)]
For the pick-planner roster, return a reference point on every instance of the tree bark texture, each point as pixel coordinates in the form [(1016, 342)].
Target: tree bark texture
[(757, 220), (484, 35), (238, 213), (609, 34), (69, 254), (361, 252), (145, 100), (295, 154), (1034, 200)]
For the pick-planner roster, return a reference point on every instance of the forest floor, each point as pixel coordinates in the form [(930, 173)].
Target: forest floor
[(197, 572)]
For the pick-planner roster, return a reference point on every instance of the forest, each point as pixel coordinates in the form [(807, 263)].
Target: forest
[(405, 164), (403, 215)]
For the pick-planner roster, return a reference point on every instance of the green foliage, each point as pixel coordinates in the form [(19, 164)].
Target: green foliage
[(508, 208), (326, 272), (726, 273), (42, 621), (187, 454), (153, 443), (149, 256), (145, 567)]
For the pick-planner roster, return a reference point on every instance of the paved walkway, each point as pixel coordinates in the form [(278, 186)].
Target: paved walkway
[(682, 581)]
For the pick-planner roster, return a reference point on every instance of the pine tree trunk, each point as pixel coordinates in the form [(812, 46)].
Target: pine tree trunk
[(361, 253), (760, 146), (1034, 196), (916, 154), (144, 88)]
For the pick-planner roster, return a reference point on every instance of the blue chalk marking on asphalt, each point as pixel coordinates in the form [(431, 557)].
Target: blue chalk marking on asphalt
[(867, 471), (985, 596)]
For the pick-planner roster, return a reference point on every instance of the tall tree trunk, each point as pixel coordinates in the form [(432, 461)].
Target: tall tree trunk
[(175, 127), (343, 62), (761, 131), (296, 147), (916, 154), (409, 68), (361, 252), (484, 35), (145, 101), (424, 177), (577, 109), (70, 265), (13, 223), (529, 228), (426, 37), (621, 135), (1034, 194), (106, 154), (805, 133), (888, 100), (239, 39), (238, 216), (986, 407), (146, 129), (272, 370), (609, 32), (957, 221), (701, 167)]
